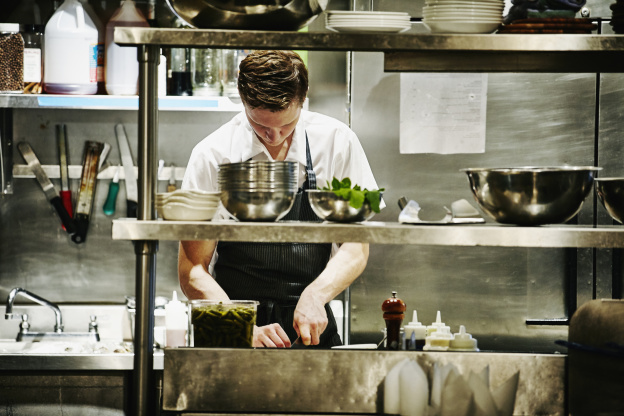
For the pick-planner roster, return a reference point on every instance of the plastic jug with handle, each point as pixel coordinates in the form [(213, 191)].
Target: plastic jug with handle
[(71, 46), (121, 64)]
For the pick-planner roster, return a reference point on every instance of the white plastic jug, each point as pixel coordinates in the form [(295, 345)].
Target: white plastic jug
[(121, 64), (70, 60)]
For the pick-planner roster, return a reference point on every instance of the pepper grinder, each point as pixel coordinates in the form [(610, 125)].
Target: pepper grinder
[(394, 312)]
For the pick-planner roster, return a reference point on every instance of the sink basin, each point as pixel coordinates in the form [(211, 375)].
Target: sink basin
[(64, 347)]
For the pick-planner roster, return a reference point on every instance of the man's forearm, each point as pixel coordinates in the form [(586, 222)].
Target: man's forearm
[(342, 269)]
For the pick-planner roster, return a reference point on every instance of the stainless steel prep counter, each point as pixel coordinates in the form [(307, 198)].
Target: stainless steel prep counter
[(264, 381)]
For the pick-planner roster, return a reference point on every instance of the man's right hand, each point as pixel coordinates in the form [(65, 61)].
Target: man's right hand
[(270, 336)]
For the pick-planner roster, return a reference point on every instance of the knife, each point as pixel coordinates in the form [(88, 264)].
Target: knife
[(66, 197), (46, 185), (128, 166)]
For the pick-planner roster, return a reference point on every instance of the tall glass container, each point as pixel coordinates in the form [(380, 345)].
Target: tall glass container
[(33, 58), (11, 59), (205, 64), (180, 72)]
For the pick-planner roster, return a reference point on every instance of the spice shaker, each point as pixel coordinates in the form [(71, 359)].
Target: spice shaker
[(393, 313), (11, 59)]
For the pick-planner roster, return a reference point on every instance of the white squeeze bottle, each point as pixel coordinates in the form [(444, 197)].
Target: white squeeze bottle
[(70, 56), (176, 322), (121, 64)]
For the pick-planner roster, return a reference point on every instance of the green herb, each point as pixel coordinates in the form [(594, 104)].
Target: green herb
[(354, 194), (223, 326)]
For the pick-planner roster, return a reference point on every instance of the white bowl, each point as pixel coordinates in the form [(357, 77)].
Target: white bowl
[(183, 212), (187, 201), (190, 193), (457, 26), (482, 3), (461, 7)]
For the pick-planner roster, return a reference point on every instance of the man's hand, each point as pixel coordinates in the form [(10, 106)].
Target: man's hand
[(270, 336), (310, 318)]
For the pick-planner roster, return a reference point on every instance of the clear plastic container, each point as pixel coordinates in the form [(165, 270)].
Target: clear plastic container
[(122, 66), (205, 64), (11, 59), (222, 324), (71, 51)]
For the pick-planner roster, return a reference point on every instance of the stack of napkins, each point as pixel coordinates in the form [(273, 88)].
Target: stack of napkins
[(407, 392)]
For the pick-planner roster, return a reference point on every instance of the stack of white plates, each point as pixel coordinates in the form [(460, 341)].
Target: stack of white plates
[(348, 21), (463, 16), (187, 205)]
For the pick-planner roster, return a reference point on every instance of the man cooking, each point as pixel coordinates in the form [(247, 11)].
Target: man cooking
[(294, 282)]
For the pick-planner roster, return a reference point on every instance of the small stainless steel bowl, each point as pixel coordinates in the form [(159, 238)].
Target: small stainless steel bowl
[(246, 205), (330, 207), (611, 193), (531, 195)]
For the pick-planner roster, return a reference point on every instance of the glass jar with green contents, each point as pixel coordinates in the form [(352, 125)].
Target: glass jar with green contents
[(222, 324)]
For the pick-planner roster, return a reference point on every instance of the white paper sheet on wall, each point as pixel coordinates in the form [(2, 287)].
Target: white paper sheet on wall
[(443, 113)]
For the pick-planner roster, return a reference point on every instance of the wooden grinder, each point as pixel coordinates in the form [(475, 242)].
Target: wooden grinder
[(393, 313)]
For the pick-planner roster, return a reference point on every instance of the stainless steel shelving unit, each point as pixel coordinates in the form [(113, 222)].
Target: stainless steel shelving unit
[(402, 52), (492, 235)]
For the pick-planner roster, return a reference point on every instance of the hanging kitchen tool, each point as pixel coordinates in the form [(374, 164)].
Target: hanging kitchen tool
[(111, 198), (66, 197), (103, 156), (130, 176), (88, 182), (46, 185)]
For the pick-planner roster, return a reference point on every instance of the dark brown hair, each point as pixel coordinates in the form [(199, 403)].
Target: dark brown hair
[(272, 80)]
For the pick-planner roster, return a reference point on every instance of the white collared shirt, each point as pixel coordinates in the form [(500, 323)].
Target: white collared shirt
[(335, 149)]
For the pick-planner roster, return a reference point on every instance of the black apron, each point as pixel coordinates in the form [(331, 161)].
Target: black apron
[(275, 274)]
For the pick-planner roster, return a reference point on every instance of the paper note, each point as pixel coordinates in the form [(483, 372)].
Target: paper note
[(443, 113)]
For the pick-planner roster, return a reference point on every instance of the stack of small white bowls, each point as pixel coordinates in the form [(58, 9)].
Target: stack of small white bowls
[(367, 21), (187, 205), (463, 16)]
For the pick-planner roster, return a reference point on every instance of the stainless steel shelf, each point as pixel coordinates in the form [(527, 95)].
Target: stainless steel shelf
[(416, 52), (373, 232), (113, 102)]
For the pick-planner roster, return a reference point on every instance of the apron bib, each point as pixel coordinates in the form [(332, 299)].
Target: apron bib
[(275, 274)]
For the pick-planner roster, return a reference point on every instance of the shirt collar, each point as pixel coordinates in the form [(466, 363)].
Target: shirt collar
[(297, 151)]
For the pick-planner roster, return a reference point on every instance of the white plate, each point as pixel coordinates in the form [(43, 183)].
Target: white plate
[(463, 8), (461, 16), (361, 20), (463, 19), (364, 13), (461, 27), (361, 28), (484, 3)]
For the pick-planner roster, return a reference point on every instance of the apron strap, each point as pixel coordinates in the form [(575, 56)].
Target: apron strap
[(309, 166)]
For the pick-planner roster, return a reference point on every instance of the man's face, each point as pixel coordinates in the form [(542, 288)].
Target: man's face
[(273, 128)]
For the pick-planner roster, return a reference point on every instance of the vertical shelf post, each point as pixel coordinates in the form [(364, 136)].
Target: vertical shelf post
[(144, 398)]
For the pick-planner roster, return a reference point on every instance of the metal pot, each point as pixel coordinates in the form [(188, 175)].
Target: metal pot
[(247, 14)]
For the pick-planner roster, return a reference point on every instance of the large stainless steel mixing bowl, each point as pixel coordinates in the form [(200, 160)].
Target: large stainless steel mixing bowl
[(265, 206), (531, 195), (330, 207), (611, 193), (247, 14)]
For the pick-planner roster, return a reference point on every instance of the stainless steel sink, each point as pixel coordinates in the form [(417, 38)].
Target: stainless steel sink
[(64, 347)]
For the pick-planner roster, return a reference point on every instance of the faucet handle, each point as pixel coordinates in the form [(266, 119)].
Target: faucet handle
[(15, 316), (93, 325)]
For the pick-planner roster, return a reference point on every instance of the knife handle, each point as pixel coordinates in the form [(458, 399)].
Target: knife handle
[(111, 198), (82, 223), (67, 202), (67, 221), (131, 209)]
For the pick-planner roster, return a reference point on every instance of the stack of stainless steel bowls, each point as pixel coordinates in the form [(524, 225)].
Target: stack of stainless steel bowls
[(258, 190)]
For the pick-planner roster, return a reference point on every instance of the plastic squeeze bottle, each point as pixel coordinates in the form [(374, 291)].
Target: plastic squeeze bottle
[(121, 63), (176, 322), (415, 334), (435, 326), (463, 341)]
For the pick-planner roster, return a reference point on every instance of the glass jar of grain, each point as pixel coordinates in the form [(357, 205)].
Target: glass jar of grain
[(11, 59)]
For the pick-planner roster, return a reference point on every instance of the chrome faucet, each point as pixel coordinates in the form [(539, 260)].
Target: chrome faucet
[(58, 327)]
